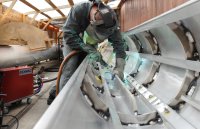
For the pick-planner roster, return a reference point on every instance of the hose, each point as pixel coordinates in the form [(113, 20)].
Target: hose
[(50, 80), (51, 69), (66, 59)]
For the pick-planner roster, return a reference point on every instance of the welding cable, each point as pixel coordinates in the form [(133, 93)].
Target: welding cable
[(51, 69), (49, 80), (66, 59)]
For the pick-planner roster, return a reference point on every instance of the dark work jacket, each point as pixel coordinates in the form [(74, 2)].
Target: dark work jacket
[(77, 22)]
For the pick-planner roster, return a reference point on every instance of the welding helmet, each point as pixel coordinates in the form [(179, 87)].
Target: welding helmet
[(108, 23)]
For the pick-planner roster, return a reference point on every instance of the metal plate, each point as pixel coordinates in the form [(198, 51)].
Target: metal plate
[(170, 82), (170, 45), (146, 71), (190, 113), (132, 44), (193, 25), (132, 63), (147, 45), (70, 109)]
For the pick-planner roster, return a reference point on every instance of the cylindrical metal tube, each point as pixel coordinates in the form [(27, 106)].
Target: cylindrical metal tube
[(11, 56)]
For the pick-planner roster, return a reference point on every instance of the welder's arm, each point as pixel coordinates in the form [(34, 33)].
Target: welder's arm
[(119, 49), (119, 46), (72, 38), (71, 31)]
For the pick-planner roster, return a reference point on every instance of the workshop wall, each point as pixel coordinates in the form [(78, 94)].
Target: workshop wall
[(135, 12)]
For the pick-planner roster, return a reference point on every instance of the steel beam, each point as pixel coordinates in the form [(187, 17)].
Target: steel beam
[(192, 102), (185, 64), (167, 113)]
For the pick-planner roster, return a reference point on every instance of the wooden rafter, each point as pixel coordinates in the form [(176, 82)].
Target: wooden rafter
[(71, 2), (36, 9), (49, 9), (120, 4), (47, 24), (8, 10), (35, 15), (59, 34), (55, 7)]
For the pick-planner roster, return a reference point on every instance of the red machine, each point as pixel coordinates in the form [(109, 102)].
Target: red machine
[(16, 83)]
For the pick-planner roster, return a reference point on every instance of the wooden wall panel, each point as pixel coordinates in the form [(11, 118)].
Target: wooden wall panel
[(135, 12)]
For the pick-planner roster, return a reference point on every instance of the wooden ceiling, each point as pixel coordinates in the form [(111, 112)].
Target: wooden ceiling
[(36, 11)]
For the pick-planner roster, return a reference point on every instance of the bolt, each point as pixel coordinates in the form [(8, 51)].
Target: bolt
[(150, 96), (166, 110), (160, 120)]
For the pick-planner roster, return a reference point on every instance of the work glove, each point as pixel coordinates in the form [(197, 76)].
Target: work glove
[(95, 56), (119, 68)]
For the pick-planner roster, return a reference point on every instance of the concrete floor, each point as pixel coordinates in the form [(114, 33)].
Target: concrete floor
[(38, 106)]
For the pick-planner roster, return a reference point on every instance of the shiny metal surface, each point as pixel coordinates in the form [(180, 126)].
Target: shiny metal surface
[(133, 62), (185, 64), (70, 109), (158, 92), (147, 45), (169, 43), (189, 112), (167, 113), (146, 127), (146, 71), (172, 81), (131, 43), (18, 56), (193, 25), (184, 38)]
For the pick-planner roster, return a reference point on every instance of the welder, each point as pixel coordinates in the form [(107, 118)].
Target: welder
[(88, 24)]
